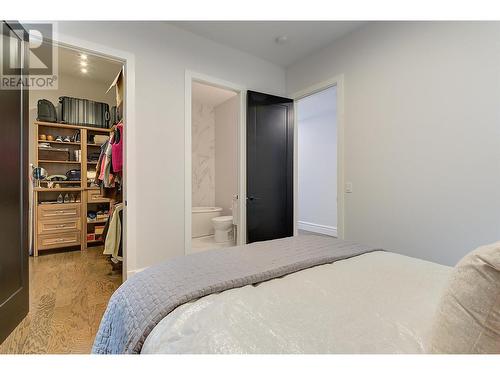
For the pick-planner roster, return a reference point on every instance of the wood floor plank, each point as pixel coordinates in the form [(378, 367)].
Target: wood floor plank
[(40, 327), (69, 292)]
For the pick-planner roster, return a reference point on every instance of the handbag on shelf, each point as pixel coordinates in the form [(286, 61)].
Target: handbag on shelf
[(74, 175), (46, 111)]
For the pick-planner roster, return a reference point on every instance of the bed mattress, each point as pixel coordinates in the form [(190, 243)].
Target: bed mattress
[(379, 302)]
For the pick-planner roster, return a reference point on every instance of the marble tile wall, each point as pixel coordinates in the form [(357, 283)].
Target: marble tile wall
[(203, 154)]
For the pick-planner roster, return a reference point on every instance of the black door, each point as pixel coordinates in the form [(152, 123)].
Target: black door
[(13, 199), (269, 167)]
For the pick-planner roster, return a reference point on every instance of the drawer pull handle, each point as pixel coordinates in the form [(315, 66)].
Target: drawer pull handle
[(62, 240), (61, 213), (61, 225)]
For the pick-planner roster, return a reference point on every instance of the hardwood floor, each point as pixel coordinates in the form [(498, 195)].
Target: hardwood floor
[(69, 292)]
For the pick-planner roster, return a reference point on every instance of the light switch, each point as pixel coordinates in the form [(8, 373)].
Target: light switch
[(348, 187)]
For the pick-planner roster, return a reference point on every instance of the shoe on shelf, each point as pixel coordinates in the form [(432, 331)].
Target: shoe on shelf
[(75, 137), (58, 139), (66, 139)]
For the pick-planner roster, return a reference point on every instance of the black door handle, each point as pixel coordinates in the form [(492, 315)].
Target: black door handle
[(252, 198)]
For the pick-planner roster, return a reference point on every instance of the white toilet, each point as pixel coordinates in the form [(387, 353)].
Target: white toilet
[(223, 226)]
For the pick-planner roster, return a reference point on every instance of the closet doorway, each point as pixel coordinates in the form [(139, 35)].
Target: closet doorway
[(215, 173), (318, 166), (317, 162), (73, 211), (73, 129)]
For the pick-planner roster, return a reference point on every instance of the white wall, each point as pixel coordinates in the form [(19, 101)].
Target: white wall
[(226, 153), (155, 159), (203, 154), (317, 162), (422, 134)]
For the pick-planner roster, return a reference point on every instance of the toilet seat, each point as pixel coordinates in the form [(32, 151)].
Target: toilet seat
[(222, 219)]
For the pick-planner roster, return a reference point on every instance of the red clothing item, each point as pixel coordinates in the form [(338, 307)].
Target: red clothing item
[(117, 149)]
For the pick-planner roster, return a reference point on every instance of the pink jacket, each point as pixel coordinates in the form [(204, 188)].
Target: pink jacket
[(117, 150)]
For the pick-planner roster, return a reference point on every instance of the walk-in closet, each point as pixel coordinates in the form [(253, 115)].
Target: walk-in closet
[(76, 160)]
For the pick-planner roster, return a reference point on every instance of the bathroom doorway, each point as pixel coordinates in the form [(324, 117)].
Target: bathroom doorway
[(213, 164)]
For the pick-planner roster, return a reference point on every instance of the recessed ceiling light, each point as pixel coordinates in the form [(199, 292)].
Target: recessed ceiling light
[(83, 70), (83, 63), (83, 56), (281, 39)]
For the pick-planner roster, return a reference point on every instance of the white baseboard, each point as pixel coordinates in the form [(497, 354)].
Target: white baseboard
[(317, 228), (133, 272)]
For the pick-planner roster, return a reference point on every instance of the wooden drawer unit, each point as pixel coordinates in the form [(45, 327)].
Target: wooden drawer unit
[(59, 211), (94, 195), (57, 226), (55, 240)]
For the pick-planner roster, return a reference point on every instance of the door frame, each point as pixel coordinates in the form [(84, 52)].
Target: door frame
[(129, 148), (337, 81), (190, 77)]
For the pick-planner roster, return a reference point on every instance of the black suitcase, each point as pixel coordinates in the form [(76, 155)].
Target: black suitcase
[(83, 112)]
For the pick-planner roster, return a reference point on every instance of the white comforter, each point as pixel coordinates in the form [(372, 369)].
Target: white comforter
[(378, 302)]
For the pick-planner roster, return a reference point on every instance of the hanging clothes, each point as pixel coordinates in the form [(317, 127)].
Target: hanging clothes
[(99, 161), (117, 149), (120, 247), (112, 245), (105, 170), (110, 164)]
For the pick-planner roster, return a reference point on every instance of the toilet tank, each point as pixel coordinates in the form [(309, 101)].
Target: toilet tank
[(201, 220)]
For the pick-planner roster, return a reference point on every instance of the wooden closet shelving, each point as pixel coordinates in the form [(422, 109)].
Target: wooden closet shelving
[(42, 189), (102, 221), (59, 161), (58, 143), (70, 126), (68, 182), (58, 225)]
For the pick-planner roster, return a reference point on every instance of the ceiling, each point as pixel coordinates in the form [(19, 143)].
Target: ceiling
[(210, 95), (98, 68), (258, 38)]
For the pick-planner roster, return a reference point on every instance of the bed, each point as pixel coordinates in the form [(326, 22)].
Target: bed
[(379, 302), (304, 294)]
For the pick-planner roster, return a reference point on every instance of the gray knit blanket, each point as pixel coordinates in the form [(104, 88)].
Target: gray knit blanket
[(146, 298)]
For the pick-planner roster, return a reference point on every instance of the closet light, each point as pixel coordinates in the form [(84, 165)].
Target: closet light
[(83, 70), (83, 63), (83, 56)]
